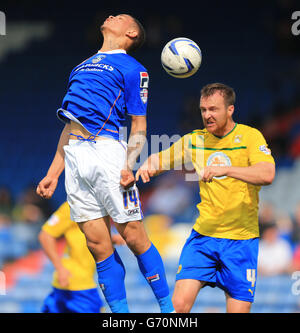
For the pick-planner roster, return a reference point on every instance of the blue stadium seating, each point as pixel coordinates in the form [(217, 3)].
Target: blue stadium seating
[(273, 294)]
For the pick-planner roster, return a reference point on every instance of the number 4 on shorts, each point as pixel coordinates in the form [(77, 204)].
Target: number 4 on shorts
[(251, 276)]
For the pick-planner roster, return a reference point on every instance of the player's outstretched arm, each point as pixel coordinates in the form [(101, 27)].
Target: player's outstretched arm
[(150, 168), (136, 143), (48, 184)]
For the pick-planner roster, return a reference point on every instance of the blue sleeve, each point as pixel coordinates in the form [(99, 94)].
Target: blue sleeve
[(136, 91)]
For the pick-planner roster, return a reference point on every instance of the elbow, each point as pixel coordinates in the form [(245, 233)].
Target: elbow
[(267, 181), (269, 175), (41, 237)]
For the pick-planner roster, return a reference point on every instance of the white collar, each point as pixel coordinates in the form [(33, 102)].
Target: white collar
[(114, 51)]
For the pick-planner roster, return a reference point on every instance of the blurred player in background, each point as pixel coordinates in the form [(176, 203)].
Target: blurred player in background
[(74, 287), (98, 165), (233, 161)]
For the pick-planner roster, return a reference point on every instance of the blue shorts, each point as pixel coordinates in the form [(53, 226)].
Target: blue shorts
[(69, 301), (228, 264)]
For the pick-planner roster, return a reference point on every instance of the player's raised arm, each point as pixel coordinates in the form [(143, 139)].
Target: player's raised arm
[(48, 184), (173, 157), (136, 143)]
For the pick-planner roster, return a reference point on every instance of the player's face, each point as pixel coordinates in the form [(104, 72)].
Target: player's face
[(118, 25), (215, 114)]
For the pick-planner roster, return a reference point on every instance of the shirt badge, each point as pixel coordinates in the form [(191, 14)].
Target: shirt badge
[(237, 138), (98, 58)]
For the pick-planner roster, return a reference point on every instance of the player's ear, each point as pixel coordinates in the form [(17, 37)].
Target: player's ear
[(230, 110), (132, 33)]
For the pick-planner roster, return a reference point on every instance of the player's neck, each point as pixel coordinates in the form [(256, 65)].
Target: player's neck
[(110, 44), (226, 130)]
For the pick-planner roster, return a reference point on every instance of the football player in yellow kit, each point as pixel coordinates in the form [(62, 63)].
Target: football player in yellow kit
[(74, 288), (233, 161)]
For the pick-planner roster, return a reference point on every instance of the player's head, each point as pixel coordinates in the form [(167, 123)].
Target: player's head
[(217, 106), (126, 31)]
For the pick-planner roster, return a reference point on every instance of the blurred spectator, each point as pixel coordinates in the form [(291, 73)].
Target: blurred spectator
[(31, 208), (296, 225), (171, 196), (266, 216), (275, 253), (6, 205), (285, 228), (296, 259)]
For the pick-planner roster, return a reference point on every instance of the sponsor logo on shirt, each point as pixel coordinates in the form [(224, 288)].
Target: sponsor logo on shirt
[(218, 159), (144, 95), (237, 138), (144, 80), (265, 149), (98, 58), (94, 67)]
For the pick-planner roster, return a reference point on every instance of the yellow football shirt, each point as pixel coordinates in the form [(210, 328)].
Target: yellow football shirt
[(228, 207), (77, 258)]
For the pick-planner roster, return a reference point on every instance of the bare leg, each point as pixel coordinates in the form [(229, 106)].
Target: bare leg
[(110, 269), (237, 306), (98, 238), (185, 294), (135, 236)]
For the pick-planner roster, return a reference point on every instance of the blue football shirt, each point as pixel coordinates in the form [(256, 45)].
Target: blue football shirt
[(102, 90)]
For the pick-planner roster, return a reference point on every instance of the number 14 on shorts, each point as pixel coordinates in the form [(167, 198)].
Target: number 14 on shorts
[(131, 202)]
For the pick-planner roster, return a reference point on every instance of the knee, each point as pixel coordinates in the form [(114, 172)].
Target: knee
[(132, 240), (136, 239), (99, 250), (181, 305)]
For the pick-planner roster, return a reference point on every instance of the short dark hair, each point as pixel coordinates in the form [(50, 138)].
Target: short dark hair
[(139, 40), (226, 91)]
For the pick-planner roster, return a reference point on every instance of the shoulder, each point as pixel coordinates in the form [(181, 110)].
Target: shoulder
[(194, 138), (248, 130), (251, 134), (131, 64), (198, 132)]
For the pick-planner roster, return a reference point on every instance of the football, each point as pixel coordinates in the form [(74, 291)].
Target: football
[(181, 57)]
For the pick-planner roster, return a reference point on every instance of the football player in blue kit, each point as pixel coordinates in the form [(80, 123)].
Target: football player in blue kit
[(98, 163)]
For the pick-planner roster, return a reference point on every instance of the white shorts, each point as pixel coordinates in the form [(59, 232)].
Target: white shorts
[(92, 182)]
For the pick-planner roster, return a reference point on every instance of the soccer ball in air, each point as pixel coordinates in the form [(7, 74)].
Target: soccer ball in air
[(181, 57)]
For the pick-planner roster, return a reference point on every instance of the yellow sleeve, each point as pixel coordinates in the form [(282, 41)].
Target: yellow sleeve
[(175, 156), (59, 221), (258, 148)]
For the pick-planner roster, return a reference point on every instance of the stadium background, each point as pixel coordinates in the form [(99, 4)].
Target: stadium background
[(248, 45)]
